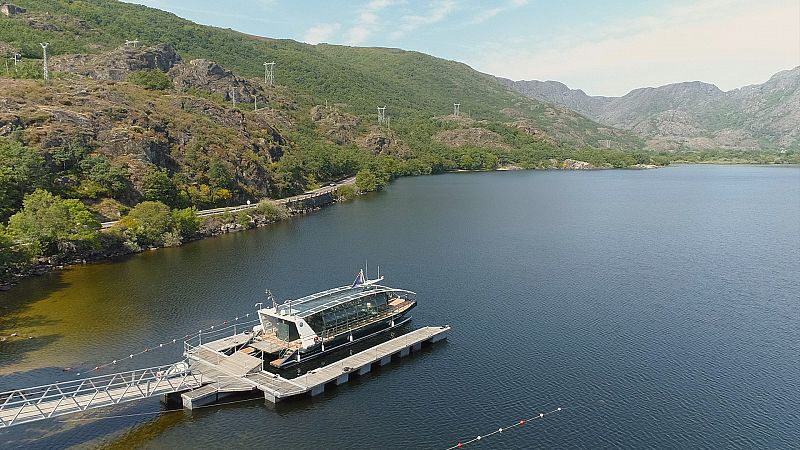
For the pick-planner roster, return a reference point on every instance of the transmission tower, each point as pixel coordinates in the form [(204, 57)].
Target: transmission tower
[(17, 58), (233, 96), (456, 109), (381, 115), (44, 59), (269, 73)]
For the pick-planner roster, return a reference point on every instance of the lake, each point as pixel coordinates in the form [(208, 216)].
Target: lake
[(658, 308)]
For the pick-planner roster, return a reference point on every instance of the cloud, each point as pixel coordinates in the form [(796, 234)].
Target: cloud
[(321, 33), (367, 21), (437, 12), (485, 14), (726, 42)]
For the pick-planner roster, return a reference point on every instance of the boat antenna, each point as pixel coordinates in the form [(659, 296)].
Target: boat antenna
[(379, 272), (271, 298), (366, 269)]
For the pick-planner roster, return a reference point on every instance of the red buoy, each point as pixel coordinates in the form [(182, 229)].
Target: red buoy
[(460, 445), (522, 422)]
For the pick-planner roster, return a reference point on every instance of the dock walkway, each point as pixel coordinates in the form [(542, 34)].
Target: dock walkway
[(275, 387), (208, 374)]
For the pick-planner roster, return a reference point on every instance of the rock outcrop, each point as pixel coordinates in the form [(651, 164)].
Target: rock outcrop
[(384, 142), (8, 9), (477, 137), (208, 76), (338, 126), (118, 64)]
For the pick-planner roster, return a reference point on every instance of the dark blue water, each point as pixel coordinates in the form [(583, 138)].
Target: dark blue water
[(659, 309)]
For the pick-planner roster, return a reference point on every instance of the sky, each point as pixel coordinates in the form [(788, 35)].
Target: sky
[(604, 47)]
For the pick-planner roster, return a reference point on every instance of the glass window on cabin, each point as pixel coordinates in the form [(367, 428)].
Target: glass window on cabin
[(286, 331), (316, 323)]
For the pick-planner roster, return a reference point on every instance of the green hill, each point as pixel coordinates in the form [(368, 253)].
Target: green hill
[(410, 84), (124, 132)]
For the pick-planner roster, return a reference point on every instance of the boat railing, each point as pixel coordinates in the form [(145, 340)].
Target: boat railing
[(209, 335)]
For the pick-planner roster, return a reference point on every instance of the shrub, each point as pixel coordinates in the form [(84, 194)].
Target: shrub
[(244, 220), (152, 79), (272, 212), (346, 192)]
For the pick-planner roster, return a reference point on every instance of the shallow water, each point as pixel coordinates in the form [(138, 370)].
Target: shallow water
[(659, 308)]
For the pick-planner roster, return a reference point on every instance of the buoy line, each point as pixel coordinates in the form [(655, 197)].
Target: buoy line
[(220, 326), (121, 416), (519, 423)]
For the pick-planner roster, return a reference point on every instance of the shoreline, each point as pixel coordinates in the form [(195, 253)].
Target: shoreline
[(44, 267)]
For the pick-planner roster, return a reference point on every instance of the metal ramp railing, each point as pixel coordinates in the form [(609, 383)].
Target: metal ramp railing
[(43, 402)]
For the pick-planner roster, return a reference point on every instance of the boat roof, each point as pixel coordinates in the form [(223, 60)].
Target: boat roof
[(314, 303)]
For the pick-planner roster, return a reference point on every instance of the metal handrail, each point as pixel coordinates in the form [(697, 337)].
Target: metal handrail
[(42, 402)]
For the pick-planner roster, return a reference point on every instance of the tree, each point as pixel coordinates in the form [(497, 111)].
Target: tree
[(368, 181), (187, 222), (218, 175), (12, 257), (157, 186), (22, 170), (50, 224), (114, 179), (71, 155), (148, 222)]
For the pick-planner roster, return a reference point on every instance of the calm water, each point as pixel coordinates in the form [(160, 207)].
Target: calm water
[(660, 308)]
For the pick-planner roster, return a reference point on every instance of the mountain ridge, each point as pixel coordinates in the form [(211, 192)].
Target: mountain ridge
[(691, 114)]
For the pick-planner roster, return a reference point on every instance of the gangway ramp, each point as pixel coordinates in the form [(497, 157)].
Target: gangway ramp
[(58, 399)]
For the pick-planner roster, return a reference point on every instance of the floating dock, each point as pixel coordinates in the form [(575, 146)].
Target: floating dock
[(239, 372), (210, 372)]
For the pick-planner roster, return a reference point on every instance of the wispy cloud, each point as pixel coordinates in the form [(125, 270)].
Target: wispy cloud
[(485, 14), (723, 41), (321, 33), (438, 11), (367, 21)]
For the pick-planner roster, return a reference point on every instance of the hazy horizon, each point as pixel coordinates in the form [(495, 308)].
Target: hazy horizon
[(603, 49)]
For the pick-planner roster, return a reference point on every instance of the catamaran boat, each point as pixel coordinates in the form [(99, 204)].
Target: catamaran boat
[(302, 329)]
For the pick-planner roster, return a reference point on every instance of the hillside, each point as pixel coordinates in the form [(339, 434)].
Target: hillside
[(147, 134), (692, 115), (410, 84)]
